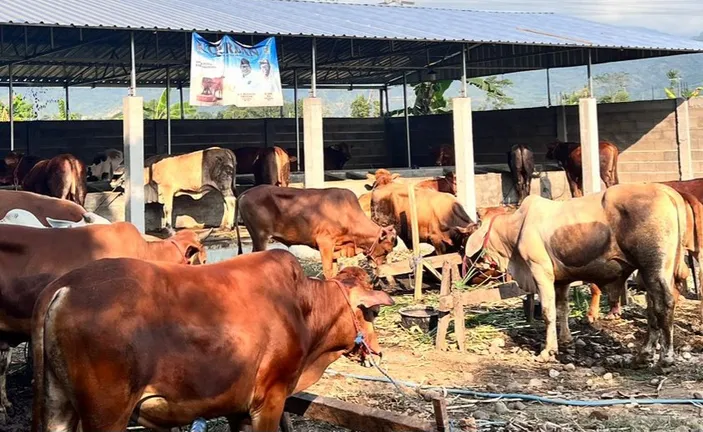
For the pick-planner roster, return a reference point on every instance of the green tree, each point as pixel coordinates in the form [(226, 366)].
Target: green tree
[(61, 115), (376, 108), (23, 109), (360, 107), (612, 87), (494, 88), (678, 89)]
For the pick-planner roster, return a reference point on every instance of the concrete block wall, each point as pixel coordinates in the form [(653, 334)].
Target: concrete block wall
[(645, 133), (695, 114)]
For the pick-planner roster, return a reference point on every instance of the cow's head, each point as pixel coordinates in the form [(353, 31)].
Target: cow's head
[(12, 159), (557, 151), (190, 245), (344, 149), (365, 303), (382, 177), (383, 245)]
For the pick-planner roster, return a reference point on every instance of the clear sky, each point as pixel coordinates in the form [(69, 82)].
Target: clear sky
[(680, 17)]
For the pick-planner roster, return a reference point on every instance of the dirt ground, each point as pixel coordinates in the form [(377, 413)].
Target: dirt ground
[(501, 358)]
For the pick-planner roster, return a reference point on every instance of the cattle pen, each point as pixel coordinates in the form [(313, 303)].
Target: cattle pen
[(475, 368)]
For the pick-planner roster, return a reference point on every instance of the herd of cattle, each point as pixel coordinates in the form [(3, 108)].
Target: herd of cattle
[(125, 326)]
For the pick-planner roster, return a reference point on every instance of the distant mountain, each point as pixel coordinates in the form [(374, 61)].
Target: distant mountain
[(529, 89), (699, 37)]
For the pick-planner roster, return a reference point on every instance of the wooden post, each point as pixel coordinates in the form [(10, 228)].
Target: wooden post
[(440, 414), (416, 242), (459, 325), (444, 313)]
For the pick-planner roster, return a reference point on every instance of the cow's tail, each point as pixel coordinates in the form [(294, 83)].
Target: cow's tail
[(236, 226), (697, 209), (40, 317), (680, 270), (615, 167)]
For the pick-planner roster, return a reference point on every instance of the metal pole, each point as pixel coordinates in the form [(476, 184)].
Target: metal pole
[(407, 119), (388, 103), (68, 106), (313, 78), (168, 110), (549, 90), (464, 74), (180, 89), (133, 87), (296, 114), (380, 102), (12, 112), (590, 78)]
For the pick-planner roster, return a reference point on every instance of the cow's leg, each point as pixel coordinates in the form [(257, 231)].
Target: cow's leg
[(661, 302), (615, 291), (545, 285), (562, 304), (166, 198), (327, 256), (59, 413), (5, 357), (594, 307), (228, 216), (267, 417)]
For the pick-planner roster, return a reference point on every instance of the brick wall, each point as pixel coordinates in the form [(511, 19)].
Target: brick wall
[(695, 114)]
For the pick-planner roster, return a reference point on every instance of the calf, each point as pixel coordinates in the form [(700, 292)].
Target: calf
[(568, 154), (329, 220), (602, 238), (442, 221), (273, 167), (63, 176), (32, 257), (106, 165), (194, 174), (443, 155), (521, 161), (173, 343)]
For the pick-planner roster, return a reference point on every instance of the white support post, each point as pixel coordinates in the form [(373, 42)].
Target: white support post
[(407, 118), (296, 114), (464, 155), (590, 159), (133, 110), (133, 127), (313, 144), (683, 135)]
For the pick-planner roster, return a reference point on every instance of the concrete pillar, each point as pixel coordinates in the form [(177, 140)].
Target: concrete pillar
[(133, 109), (590, 160), (312, 143), (562, 126), (683, 137), (464, 154)]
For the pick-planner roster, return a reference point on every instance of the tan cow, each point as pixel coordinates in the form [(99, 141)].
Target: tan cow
[(194, 174), (546, 245)]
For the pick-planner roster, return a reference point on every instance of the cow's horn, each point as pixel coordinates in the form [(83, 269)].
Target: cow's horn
[(204, 235)]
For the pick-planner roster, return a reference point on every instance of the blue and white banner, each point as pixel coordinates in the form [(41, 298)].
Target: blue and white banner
[(229, 73)]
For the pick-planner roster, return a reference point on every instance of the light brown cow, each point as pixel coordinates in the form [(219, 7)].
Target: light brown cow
[(40, 206), (167, 344), (545, 245), (442, 221), (30, 258), (329, 220), (194, 174)]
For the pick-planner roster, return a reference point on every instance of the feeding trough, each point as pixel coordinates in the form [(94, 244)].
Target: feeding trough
[(425, 317)]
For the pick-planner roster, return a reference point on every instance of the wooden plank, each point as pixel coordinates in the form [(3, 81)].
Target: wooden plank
[(487, 295), (403, 267), (444, 316), (441, 415), (416, 241), (353, 416), (459, 322)]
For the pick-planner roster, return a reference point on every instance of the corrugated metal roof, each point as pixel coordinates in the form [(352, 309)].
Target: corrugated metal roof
[(280, 17)]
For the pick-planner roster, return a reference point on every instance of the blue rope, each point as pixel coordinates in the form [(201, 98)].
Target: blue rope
[(199, 425), (529, 397)]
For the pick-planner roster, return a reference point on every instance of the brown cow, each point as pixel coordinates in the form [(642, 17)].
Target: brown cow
[(545, 245), (32, 257), (63, 176), (443, 155), (568, 154), (442, 221), (381, 177), (273, 167), (329, 220), (446, 184), (18, 166), (165, 344), (521, 161)]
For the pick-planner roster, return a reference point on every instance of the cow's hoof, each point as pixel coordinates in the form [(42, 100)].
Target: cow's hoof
[(612, 316), (591, 318), (666, 361), (546, 356), (565, 340)]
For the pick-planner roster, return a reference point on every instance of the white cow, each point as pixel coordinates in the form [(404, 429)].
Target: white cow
[(25, 218)]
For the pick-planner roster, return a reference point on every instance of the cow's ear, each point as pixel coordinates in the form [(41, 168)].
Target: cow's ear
[(368, 299), (292, 159), (475, 242), (394, 176)]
